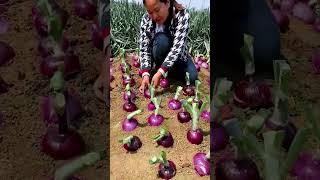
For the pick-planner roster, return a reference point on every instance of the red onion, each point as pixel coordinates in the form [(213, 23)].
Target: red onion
[(131, 143), (6, 53), (164, 138), (136, 64), (164, 83), (219, 138), (130, 123), (62, 146), (184, 116), (195, 136), (71, 63), (201, 164), (128, 80), (188, 90), (252, 94), (85, 9), (155, 120), (167, 169), (198, 67), (303, 12), (199, 60), (306, 167), (129, 106), (174, 104), (316, 61), (129, 94), (205, 115), (248, 92), (231, 169), (132, 96), (204, 64), (198, 101), (167, 172), (286, 6), (282, 19), (151, 106)]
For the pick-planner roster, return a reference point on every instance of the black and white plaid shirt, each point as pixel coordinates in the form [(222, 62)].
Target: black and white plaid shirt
[(179, 30)]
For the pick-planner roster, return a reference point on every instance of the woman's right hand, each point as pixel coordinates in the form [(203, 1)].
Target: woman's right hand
[(145, 83)]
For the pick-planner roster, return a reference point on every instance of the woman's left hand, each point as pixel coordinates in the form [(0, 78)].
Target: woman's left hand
[(156, 79)]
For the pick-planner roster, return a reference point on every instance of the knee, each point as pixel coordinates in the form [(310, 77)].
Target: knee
[(161, 45), (193, 76)]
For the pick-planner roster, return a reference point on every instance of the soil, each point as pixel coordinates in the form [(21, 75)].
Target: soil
[(135, 166), (20, 135)]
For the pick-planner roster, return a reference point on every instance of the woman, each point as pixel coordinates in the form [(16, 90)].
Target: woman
[(163, 43)]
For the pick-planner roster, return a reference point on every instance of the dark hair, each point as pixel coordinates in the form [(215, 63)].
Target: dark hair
[(173, 3)]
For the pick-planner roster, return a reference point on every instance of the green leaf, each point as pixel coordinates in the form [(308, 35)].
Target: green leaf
[(78, 164), (154, 160), (272, 155), (246, 52), (43, 6), (57, 82), (55, 28), (59, 103), (204, 104), (163, 158), (188, 108), (256, 122), (241, 149)]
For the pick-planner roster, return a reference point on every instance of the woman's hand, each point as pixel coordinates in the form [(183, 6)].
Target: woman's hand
[(144, 84), (156, 79)]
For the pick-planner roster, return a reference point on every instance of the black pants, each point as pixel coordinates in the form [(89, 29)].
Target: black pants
[(230, 22)]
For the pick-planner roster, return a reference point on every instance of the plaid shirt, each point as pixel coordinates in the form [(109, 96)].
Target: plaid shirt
[(179, 30)]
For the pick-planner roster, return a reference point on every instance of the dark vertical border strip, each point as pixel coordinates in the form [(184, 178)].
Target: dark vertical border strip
[(104, 22), (212, 32)]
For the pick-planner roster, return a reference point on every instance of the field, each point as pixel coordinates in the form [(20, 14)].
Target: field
[(125, 34)]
